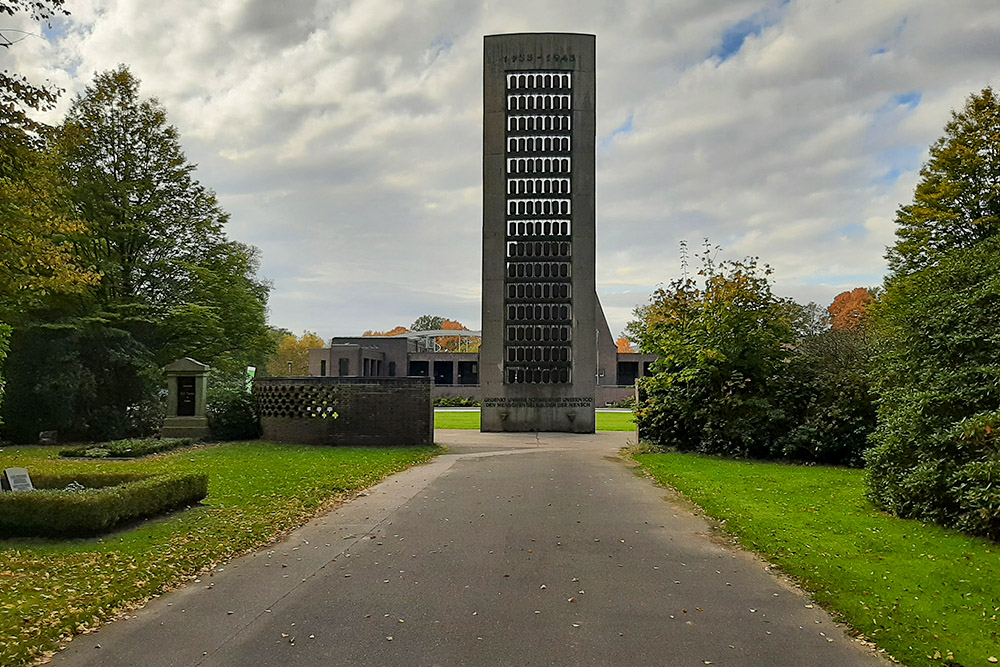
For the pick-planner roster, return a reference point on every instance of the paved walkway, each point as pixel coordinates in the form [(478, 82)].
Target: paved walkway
[(512, 550)]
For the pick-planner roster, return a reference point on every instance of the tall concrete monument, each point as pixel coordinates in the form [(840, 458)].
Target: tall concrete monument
[(538, 359)]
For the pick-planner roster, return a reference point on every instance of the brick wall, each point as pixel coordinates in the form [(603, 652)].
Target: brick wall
[(346, 411)]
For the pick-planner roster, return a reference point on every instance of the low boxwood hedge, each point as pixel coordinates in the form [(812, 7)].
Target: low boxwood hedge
[(107, 500), (132, 448)]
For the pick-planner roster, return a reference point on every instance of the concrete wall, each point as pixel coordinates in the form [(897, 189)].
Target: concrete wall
[(346, 411)]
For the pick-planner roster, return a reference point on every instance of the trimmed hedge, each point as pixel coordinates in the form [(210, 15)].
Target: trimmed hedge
[(131, 448), (108, 500)]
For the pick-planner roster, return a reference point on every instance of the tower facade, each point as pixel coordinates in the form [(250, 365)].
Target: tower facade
[(538, 359)]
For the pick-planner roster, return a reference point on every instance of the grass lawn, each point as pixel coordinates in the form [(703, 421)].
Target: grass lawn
[(52, 588), (606, 421), (920, 592)]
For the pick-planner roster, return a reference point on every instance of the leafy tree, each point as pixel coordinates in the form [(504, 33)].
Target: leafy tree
[(957, 200), (36, 221), (743, 372), (849, 309), (720, 346), (157, 234), (86, 379), (170, 283), (936, 450), (935, 454), (17, 94), (152, 221), (428, 323), (292, 355), (36, 258)]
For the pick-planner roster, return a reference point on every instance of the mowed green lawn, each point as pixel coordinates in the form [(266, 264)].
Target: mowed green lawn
[(920, 592), (606, 421), (51, 589)]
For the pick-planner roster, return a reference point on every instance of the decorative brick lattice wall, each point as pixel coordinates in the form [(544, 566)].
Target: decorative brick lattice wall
[(346, 411)]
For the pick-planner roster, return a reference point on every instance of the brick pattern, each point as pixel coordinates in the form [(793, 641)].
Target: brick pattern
[(346, 411)]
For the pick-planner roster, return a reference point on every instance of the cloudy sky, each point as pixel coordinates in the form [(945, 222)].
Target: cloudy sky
[(344, 136)]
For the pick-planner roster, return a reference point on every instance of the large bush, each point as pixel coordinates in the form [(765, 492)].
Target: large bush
[(232, 414), (826, 386), (742, 372), (937, 445), (86, 379)]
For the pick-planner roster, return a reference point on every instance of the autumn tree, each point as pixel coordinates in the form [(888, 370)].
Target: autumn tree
[(849, 309), (625, 345), (398, 331), (36, 220), (36, 257), (437, 323), (291, 358), (957, 199)]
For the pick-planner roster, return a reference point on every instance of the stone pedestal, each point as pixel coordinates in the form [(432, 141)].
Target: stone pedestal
[(187, 383)]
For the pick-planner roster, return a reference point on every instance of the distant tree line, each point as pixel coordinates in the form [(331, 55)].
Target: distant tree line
[(904, 379)]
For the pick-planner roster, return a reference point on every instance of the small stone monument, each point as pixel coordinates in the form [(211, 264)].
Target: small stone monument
[(18, 479), (187, 381)]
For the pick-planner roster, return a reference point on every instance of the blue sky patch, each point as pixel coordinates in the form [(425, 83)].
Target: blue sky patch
[(911, 99), (625, 128), (735, 35)]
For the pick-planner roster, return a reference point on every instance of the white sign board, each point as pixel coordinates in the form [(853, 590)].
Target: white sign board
[(18, 479)]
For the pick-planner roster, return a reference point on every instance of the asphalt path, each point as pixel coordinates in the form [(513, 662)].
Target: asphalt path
[(513, 549)]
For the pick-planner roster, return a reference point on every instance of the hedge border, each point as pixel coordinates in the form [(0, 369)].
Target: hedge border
[(109, 500)]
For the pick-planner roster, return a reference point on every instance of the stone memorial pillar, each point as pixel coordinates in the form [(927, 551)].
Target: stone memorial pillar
[(187, 382), (538, 358)]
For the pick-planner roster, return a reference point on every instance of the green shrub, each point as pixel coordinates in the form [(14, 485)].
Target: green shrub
[(232, 414), (742, 372), (455, 402), (125, 448), (936, 453), (86, 379), (107, 501)]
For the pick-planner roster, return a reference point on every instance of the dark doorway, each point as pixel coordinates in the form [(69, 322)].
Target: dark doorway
[(185, 396), (628, 373), (345, 367), (468, 372), (418, 369), (444, 372)]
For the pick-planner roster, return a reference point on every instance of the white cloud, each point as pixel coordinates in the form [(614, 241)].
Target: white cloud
[(344, 137)]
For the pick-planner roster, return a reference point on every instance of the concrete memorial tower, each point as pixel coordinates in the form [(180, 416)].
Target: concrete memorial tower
[(538, 357)]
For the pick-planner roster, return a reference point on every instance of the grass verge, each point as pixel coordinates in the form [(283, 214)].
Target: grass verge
[(606, 421), (56, 588), (924, 594)]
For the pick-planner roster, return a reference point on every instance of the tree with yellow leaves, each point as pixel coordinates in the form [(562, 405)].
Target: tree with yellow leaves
[(291, 359)]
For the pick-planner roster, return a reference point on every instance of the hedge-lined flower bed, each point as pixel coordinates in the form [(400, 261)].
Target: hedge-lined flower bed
[(107, 500), (126, 448)]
